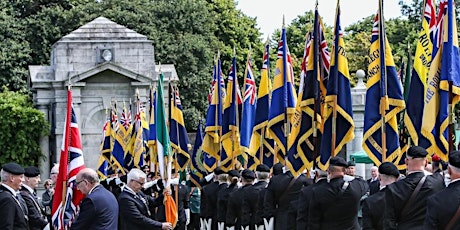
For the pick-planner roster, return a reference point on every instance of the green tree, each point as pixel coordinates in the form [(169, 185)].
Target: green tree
[(22, 128)]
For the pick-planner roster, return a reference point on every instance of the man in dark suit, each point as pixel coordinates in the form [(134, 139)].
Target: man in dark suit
[(281, 191), (12, 210), (444, 204), (406, 206), (222, 197), (304, 199), (134, 205), (209, 199), (99, 209), (374, 205), (36, 212), (373, 182), (263, 176), (242, 204), (335, 205)]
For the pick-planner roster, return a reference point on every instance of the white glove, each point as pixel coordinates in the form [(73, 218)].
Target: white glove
[(187, 216), (260, 227), (118, 181), (208, 224), (209, 177), (202, 227), (269, 224), (231, 228), (221, 226), (150, 184), (174, 181)]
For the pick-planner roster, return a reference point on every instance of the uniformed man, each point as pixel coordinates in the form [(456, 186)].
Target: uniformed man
[(36, 212), (242, 204), (406, 198), (335, 205), (12, 207), (444, 205), (263, 176), (281, 191), (222, 197), (209, 199), (374, 205)]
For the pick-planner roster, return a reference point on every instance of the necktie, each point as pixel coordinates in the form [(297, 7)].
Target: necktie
[(22, 203)]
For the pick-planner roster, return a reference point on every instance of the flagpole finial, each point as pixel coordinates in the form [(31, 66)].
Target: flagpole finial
[(283, 22), (234, 51), (316, 5), (268, 39)]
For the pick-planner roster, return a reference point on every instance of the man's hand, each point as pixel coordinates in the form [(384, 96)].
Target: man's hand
[(166, 226)]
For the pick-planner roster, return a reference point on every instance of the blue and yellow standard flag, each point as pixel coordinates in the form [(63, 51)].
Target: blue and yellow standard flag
[(138, 145), (283, 107), (177, 132), (249, 107), (384, 90), (197, 170), (422, 61), (213, 130), (262, 150), (444, 74), (305, 139), (152, 136), (338, 121), (230, 121)]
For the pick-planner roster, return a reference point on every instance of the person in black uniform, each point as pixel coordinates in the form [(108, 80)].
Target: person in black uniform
[(304, 199), (182, 204), (444, 204), (36, 212), (406, 207), (208, 204), (12, 209), (242, 204), (281, 191), (335, 205), (222, 197), (374, 205), (263, 176)]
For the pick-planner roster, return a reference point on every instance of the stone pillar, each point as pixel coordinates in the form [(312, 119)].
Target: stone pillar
[(358, 97), (44, 163)]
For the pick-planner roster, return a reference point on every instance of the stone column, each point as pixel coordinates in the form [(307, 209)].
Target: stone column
[(44, 163)]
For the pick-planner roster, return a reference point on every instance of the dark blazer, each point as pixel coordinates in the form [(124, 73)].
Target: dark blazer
[(397, 195), (374, 186), (242, 207), (222, 201), (280, 206), (332, 208), (98, 210), (373, 208), (303, 204), (36, 212), (260, 186), (442, 207), (134, 213), (12, 215), (209, 199)]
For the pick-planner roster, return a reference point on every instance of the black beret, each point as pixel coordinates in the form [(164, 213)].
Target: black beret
[(454, 159), (13, 168), (338, 161), (417, 152), (110, 172), (219, 171), (145, 167), (233, 173), (351, 163), (31, 171), (277, 168), (388, 168), (248, 174), (262, 168)]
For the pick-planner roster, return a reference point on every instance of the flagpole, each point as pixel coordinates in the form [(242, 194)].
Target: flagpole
[(451, 119), (66, 145), (383, 87), (287, 124), (219, 95), (317, 58), (242, 107), (335, 75)]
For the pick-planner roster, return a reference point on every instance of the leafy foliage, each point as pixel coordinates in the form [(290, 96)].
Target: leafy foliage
[(22, 127)]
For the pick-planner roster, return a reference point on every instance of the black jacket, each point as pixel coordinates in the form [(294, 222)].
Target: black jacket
[(36, 212), (134, 213), (373, 209), (442, 207), (13, 217), (304, 201)]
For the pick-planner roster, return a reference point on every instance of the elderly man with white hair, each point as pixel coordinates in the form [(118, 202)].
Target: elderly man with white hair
[(373, 182), (134, 205)]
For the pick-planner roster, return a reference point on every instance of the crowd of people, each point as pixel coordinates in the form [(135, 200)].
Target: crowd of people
[(264, 198)]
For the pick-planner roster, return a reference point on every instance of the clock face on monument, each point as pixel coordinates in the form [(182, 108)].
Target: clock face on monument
[(107, 55)]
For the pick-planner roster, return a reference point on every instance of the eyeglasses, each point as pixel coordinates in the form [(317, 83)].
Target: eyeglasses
[(78, 182), (141, 183)]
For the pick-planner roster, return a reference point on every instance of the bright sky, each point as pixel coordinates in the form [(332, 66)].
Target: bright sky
[(270, 13)]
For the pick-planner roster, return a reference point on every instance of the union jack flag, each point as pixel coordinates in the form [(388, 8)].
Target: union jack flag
[(67, 198), (251, 91), (238, 91), (125, 118)]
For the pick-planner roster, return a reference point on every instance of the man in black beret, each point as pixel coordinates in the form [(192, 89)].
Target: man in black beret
[(222, 197), (406, 205), (305, 197), (12, 207), (351, 168), (335, 205), (263, 176), (444, 204), (374, 205), (242, 203), (208, 204), (37, 216)]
